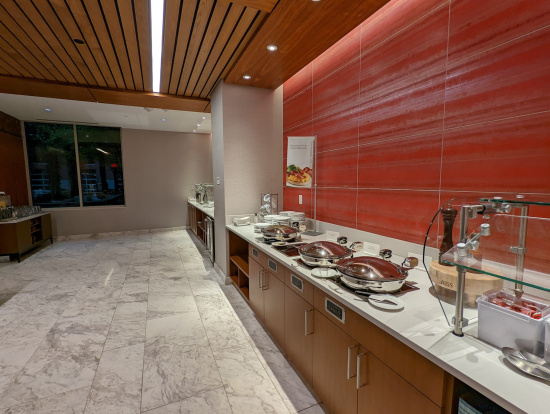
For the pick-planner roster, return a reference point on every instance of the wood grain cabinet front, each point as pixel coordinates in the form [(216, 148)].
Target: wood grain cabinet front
[(256, 292), (267, 297), (380, 390), (334, 366), (299, 333)]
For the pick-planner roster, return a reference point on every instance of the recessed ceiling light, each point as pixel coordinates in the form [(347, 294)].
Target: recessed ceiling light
[(272, 48), (198, 125), (157, 22), (47, 110), (203, 117), (194, 130), (163, 119), (247, 77)]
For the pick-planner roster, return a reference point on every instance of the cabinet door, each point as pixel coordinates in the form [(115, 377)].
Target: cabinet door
[(46, 226), (274, 307), (299, 333), (255, 286), (382, 391), (334, 366)]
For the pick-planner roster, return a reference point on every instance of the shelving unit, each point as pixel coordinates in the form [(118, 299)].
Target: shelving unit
[(238, 263), (20, 236)]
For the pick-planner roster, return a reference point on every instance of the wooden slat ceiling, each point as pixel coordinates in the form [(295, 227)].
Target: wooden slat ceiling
[(100, 50)]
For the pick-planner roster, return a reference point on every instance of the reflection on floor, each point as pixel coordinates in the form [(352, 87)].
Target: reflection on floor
[(134, 323)]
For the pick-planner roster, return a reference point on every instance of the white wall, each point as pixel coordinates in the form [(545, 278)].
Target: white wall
[(159, 169), (247, 152)]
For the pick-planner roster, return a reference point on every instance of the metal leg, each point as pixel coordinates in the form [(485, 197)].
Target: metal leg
[(521, 250)]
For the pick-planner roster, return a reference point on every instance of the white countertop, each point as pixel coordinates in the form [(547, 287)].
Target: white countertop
[(19, 220), (422, 326), (209, 211)]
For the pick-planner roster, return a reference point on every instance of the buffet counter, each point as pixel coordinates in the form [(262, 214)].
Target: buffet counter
[(422, 327), (209, 211)]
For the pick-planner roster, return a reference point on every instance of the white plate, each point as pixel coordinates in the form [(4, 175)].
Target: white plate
[(279, 244), (324, 272), (390, 302)]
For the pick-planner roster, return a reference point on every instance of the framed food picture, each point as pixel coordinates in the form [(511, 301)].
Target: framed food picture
[(299, 166)]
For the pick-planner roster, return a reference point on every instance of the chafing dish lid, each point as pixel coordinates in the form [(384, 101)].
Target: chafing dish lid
[(274, 231), (370, 268), (324, 250)]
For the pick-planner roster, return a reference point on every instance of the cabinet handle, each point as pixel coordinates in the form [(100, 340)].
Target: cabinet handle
[(306, 325), (349, 376), (263, 280), (359, 384), (260, 279)]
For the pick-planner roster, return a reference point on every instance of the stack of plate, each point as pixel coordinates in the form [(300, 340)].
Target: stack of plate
[(297, 219), (287, 213), (281, 220), (259, 226), (269, 218)]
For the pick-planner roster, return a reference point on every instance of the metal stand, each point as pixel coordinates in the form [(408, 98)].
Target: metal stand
[(314, 232)]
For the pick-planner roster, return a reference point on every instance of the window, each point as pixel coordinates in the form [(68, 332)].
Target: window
[(54, 164)]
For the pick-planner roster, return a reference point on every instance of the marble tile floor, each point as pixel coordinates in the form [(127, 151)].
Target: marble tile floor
[(135, 323)]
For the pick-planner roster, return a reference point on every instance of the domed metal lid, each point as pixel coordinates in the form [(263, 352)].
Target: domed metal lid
[(324, 250), (274, 231), (370, 268)]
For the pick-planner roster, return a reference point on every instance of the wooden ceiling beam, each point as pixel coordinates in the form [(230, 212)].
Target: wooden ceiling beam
[(262, 5), (21, 86)]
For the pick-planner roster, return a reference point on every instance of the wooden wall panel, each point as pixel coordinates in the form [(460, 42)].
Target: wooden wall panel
[(13, 178)]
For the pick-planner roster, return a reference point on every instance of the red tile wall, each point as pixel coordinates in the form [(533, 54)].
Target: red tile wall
[(426, 100)]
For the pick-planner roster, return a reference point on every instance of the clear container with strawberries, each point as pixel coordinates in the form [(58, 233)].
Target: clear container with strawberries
[(505, 320)]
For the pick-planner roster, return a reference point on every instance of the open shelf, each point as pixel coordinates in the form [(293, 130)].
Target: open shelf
[(240, 263)]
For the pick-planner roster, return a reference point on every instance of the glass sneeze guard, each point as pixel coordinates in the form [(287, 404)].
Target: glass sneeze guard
[(509, 247)]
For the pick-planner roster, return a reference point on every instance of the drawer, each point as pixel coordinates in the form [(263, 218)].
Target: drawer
[(420, 372), (267, 262), (299, 285)]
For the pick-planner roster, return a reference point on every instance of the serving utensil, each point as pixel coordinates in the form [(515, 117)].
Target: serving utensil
[(516, 358)]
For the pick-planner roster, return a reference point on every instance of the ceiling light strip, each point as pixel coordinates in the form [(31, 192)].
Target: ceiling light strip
[(157, 24)]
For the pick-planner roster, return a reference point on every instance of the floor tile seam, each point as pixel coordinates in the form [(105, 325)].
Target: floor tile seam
[(94, 379), (44, 398), (27, 362), (269, 377), (145, 342), (186, 398)]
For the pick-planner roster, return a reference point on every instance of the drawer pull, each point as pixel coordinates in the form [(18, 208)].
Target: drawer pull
[(306, 324), (349, 376), (260, 284), (359, 383)]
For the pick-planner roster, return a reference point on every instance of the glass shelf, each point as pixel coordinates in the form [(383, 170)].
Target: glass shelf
[(529, 199), (498, 253)]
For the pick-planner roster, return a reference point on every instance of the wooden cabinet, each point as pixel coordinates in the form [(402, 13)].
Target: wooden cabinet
[(353, 365), (334, 366), (274, 307), (381, 390), (267, 299), (256, 292), (19, 237), (196, 222), (299, 333), (238, 266)]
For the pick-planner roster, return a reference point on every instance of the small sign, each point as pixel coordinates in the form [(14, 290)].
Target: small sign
[(335, 310), (297, 282)]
